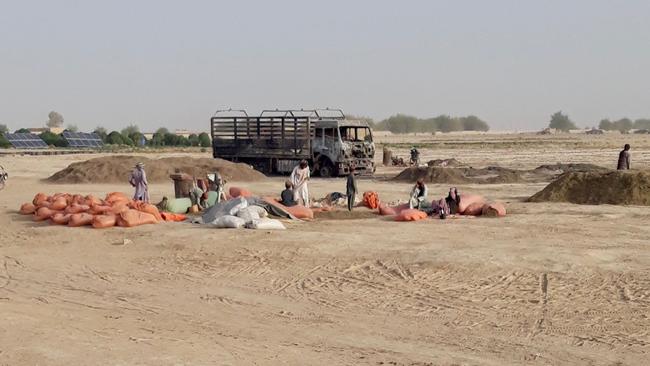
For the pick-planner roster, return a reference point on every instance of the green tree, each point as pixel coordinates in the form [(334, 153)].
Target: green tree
[(157, 140), (642, 124), (22, 130), (72, 128), (204, 140), (4, 143), (473, 123), (606, 125), (624, 125), (137, 137), (162, 130), (115, 138), (101, 132), (53, 139), (194, 140), (448, 124), (3, 129), (171, 139), (130, 130), (561, 122)]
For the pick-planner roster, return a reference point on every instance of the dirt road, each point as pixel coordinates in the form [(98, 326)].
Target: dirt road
[(551, 284)]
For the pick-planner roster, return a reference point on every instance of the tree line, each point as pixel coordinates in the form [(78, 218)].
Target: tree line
[(129, 136), (562, 122), (402, 123)]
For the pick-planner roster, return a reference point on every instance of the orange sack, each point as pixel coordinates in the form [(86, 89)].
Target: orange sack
[(43, 213), (411, 214), (76, 208), (99, 209), (371, 199), (131, 218), (104, 221), (298, 211), (240, 192), (392, 210), (60, 218), (80, 219), (119, 207), (495, 209), (91, 200), (40, 198), (59, 204), (475, 209), (468, 199), (27, 209), (146, 207), (167, 216), (114, 197)]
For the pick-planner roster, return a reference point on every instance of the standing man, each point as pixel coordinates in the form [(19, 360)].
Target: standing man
[(624, 158), (138, 180), (351, 188), (299, 178), (217, 184)]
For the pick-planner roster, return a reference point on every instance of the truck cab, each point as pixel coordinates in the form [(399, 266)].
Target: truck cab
[(341, 144)]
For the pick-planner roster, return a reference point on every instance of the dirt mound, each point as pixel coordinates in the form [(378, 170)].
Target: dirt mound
[(445, 163), (434, 175), (594, 188), (116, 169), (493, 174), (565, 168), (489, 175)]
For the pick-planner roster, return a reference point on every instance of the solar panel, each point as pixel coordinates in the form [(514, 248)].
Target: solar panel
[(25, 141), (81, 139)]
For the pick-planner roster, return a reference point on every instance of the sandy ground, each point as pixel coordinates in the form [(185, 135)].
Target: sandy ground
[(551, 284)]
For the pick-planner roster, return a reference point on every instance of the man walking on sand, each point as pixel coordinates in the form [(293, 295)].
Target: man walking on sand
[(138, 180), (299, 178), (624, 158)]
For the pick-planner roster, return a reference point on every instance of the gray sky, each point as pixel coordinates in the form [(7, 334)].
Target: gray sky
[(173, 63)]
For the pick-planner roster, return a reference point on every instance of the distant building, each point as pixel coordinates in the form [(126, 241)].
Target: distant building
[(54, 130)]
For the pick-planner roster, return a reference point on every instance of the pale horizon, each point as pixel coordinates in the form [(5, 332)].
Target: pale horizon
[(172, 64)]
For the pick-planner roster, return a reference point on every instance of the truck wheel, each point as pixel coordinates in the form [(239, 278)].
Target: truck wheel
[(326, 169)]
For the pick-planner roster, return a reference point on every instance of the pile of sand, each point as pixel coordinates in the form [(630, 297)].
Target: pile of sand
[(116, 169), (614, 187), (492, 174), (445, 163), (434, 175)]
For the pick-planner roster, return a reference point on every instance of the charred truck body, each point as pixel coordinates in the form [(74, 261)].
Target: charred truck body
[(276, 140)]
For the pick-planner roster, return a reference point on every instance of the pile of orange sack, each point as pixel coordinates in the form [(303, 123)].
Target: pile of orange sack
[(469, 205), (116, 209)]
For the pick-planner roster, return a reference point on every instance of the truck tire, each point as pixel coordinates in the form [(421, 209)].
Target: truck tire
[(326, 169)]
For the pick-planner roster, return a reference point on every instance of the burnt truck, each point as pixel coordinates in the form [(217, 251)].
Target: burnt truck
[(275, 141)]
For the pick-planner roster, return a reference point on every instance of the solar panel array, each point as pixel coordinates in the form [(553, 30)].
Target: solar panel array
[(25, 141), (80, 139)]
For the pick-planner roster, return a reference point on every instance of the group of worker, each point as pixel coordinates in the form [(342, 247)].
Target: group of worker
[(296, 190), (198, 194)]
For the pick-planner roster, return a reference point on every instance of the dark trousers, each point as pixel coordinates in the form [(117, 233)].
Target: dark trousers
[(351, 196)]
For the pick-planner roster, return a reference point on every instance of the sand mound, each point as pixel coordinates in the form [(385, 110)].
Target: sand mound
[(489, 175), (116, 169), (445, 163), (565, 168), (433, 175), (614, 187), (493, 174)]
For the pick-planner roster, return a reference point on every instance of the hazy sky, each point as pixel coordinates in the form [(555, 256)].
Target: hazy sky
[(173, 63)]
